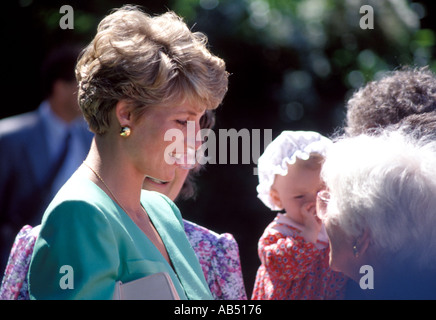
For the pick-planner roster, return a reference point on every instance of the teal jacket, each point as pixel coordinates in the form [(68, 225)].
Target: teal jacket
[(98, 243)]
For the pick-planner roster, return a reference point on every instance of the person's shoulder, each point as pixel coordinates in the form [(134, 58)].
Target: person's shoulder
[(19, 124), (200, 234), (81, 197), (78, 218), (19, 130)]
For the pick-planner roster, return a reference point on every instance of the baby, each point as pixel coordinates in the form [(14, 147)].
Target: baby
[(294, 249)]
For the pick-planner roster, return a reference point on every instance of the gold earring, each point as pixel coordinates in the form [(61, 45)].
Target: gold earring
[(125, 131), (355, 251)]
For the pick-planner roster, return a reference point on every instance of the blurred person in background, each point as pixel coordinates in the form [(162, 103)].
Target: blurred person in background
[(39, 150), (398, 95)]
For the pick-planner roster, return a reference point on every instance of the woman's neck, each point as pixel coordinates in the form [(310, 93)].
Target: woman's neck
[(114, 174)]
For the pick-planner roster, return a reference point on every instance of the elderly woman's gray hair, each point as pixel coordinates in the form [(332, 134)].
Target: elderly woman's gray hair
[(386, 185)]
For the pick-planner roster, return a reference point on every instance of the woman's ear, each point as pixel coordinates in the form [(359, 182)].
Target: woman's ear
[(361, 244), (275, 197), (123, 112)]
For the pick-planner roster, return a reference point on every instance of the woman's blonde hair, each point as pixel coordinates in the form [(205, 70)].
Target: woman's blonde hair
[(146, 61)]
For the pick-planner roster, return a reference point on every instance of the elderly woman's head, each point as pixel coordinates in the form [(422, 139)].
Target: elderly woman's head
[(146, 61), (382, 206)]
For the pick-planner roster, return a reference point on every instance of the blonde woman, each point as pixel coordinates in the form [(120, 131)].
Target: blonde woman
[(138, 78)]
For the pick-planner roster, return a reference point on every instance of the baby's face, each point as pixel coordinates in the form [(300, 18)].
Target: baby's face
[(298, 189)]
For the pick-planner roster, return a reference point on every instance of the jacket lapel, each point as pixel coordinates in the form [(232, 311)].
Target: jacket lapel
[(182, 255)]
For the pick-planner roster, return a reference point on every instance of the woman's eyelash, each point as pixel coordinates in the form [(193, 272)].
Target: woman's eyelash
[(182, 122)]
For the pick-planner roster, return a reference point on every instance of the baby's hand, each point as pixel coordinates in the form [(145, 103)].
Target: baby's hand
[(312, 224)]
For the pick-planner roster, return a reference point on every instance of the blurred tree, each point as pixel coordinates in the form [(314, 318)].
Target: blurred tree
[(30, 29), (313, 52)]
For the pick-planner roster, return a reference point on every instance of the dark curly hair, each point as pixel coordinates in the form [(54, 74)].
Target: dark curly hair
[(419, 126), (399, 94)]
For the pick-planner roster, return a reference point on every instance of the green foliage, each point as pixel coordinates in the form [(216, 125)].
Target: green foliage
[(319, 43)]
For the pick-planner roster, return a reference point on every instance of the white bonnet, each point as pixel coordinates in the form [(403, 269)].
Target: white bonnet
[(284, 150)]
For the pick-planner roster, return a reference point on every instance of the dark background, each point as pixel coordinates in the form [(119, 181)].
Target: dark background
[(293, 64)]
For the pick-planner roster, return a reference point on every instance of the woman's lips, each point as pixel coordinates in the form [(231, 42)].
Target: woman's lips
[(184, 160), (158, 181)]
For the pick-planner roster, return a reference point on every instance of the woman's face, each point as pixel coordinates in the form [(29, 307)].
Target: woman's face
[(151, 154), (341, 256)]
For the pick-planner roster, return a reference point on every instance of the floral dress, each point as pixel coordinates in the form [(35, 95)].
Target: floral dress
[(218, 255), (292, 268), (14, 283)]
